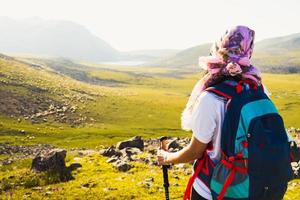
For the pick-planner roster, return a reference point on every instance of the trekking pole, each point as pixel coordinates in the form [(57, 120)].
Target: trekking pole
[(165, 169)]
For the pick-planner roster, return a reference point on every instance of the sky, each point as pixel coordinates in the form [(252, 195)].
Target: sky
[(163, 24)]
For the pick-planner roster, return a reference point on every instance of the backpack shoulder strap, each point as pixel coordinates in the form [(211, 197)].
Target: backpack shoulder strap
[(226, 89), (230, 88)]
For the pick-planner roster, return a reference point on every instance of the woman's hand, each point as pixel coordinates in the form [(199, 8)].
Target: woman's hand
[(162, 157), (189, 153)]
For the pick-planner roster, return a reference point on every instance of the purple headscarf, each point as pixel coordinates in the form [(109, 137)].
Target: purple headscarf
[(229, 56)]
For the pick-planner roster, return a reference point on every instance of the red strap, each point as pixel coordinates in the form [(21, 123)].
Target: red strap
[(239, 87), (229, 165), (219, 93), (200, 163), (231, 176), (226, 185)]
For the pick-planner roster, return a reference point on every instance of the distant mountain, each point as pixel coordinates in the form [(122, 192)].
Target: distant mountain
[(283, 43), (53, 38), (188, 57), (280, 54)]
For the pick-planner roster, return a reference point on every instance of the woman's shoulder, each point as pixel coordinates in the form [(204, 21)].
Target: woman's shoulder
[(209, 102), (207, 96)]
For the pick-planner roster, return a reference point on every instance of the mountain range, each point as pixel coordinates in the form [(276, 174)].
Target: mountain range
[(60, 38), (66, 39)]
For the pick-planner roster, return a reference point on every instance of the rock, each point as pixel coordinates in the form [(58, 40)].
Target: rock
[(23, 131), (7, 162), (85, 152), (120, 178), (133, 142), (129, 151), (150, 179), (89, 184), (126, 158), (49, 160), (153, 151), (146, 185), (109, 152), (109, 189), (48, 193), (37, 188), (122, 166), (145, 160), (74, 166), (174, 145), (112, 159), (153, 163), (21, 152)]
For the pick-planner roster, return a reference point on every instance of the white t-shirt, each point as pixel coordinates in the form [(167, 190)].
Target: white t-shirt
[(207, 118)]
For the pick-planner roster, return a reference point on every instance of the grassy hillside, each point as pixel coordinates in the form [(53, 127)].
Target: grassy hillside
[(143, 101), (112, 112), (85, 105)]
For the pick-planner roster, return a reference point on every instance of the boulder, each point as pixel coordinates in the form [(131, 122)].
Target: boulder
[(174, 145), (74, 166), (126, 158), (112, 159), (110, 151), (122, 166), (133, 142), (129, 151), (49, 160)]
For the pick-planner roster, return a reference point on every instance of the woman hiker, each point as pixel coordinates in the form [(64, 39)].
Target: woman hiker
[(229, 62)]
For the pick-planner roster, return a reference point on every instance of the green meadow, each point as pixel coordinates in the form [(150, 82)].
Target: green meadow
[(114, 103)]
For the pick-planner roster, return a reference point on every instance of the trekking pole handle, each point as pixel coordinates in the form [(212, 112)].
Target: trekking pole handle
[(161, 142)]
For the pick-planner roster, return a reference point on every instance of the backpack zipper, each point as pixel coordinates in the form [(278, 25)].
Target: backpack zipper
[(266, 188)]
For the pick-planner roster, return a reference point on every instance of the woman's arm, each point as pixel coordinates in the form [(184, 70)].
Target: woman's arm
[(203, 125), (189, 153)]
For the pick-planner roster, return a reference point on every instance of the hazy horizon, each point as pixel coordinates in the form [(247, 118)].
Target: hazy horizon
[(145, 25)]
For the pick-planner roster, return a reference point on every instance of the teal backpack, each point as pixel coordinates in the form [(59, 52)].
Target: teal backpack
[(255, 161)]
